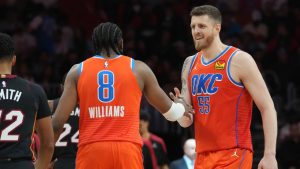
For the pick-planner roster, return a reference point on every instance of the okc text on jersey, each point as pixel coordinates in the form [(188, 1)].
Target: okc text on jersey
[(203, 86)]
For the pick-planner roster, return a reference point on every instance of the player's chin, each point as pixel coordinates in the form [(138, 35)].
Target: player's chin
[(198, 46)]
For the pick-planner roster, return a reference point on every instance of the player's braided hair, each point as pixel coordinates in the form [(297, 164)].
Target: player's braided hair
[(7, 49), (107, 36)]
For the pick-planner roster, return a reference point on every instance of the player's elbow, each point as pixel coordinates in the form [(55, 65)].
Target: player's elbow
[(47, 144), (266, 108), (57, 126)]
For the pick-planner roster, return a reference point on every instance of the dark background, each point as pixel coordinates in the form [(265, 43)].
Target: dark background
[(52, 35)]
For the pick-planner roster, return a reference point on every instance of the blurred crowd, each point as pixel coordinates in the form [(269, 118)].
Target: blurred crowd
[(52, 35)]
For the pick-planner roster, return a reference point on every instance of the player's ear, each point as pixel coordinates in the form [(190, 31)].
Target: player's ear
[(218, 27), (14, 59)]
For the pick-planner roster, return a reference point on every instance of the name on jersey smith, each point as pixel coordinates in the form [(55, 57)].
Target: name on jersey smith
[(106, 111), (10, 94)]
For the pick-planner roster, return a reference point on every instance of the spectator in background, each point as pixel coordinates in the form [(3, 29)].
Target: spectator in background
[(289, 150), (188, 159), (149, 159), (158, 143)]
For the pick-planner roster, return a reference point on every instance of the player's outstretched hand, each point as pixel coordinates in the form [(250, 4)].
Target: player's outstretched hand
[(189, 111)]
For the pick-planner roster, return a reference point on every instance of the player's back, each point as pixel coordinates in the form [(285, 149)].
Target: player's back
[(19, 104), (109, 100)]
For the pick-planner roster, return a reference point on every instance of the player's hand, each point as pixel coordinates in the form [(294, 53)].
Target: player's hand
[(189, 111), (268, 162)]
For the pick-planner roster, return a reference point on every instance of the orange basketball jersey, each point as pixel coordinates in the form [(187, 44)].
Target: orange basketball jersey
[(109, 100), (223, 107)]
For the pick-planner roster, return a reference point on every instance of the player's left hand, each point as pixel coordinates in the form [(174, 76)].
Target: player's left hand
[(268, 162)]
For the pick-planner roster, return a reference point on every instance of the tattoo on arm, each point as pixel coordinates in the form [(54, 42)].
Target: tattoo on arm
[(183, 80), (184, 86), (184, 65)]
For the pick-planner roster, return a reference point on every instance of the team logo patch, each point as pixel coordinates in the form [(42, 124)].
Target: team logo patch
[(3, 84), (105, 64), (220, 65)]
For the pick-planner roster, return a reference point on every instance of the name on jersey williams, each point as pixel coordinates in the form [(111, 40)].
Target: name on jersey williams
[(10, 94), (106, 111)]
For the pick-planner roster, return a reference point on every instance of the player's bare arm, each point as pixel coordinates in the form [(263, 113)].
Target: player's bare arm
[(151, 89), (67, 101), (185, 121), (184, 79), (245, 70), (44, 130)]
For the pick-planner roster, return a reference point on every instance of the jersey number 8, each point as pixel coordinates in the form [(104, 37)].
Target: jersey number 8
[(106, 90)]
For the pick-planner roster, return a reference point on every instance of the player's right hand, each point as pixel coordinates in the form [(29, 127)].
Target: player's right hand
[(189, 111)]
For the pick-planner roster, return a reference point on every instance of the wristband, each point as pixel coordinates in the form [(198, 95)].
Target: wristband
[(175, 112)]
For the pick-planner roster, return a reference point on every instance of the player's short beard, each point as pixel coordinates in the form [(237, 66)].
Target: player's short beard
[(208, 41)]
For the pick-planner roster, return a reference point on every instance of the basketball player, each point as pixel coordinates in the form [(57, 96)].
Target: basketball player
[(108, 87), (220, 81), (23, 108), (64, 155)]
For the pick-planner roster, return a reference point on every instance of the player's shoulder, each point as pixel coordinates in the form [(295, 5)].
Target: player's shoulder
[(75, 71), (21, 80), (242, 54), (32, 86), (242, 57), (187, 64), (75, 67), (36, 87), (139, 62), (141, 66), (188, 60), (191, 57)]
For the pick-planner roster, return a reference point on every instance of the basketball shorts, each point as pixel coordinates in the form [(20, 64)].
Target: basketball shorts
[(109, 155), (225, 159)]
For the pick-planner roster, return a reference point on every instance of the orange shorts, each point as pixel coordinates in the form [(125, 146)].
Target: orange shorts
[(225, 159), (109, 155)]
